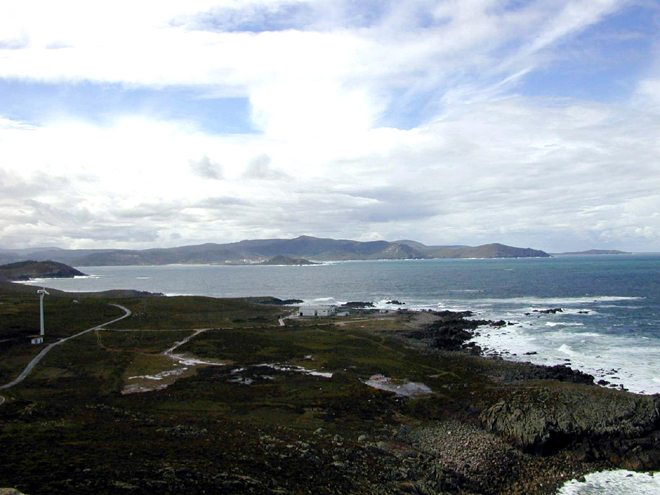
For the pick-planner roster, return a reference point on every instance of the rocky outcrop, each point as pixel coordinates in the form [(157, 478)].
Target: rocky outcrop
[(511, 372), (595, 423), (357, 305), (278, 302), (451, 330)]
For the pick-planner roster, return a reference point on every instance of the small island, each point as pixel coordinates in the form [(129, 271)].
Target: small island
[(286, 260), (595, 251), (28, 270)]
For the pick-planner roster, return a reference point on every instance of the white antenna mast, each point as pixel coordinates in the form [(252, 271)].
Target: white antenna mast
[(42, 292)]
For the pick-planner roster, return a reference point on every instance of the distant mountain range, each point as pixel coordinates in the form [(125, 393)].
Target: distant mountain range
[(595, 251), (258, 251)]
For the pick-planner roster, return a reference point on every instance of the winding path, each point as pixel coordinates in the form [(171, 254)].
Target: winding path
[(47, 349)]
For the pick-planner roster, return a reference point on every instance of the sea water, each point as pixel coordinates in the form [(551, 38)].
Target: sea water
[(608, 326), (609, 323)]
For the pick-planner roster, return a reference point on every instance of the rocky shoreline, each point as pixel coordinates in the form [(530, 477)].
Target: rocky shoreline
[(549, 412)]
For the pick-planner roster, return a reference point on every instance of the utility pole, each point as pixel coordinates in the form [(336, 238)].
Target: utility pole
[(42, 292)]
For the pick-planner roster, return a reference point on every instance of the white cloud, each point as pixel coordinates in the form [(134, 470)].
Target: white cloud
[(483, 163)]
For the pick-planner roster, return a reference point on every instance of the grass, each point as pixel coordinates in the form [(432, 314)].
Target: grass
[(171, 313), (145, 341)]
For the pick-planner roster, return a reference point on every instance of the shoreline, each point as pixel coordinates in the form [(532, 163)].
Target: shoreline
[(455, 336)]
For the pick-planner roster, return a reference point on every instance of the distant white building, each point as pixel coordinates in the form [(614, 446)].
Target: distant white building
[(317, 311), (36, 340)]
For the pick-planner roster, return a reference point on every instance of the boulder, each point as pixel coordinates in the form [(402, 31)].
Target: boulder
[(596, 423)]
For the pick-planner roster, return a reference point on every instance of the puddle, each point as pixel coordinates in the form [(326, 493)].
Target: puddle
[(402, 388)]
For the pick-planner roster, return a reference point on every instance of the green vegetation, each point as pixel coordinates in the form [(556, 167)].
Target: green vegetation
[(233, 425), (170, 313)]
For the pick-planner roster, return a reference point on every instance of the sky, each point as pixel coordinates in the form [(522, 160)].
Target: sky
[(163, 123)]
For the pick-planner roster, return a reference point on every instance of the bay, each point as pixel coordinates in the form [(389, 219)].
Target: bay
[(609, 324)]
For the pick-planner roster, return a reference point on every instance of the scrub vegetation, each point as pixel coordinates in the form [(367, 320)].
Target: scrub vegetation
[(270, 409)]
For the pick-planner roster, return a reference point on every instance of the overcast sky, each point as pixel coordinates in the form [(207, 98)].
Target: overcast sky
[(137, 124)]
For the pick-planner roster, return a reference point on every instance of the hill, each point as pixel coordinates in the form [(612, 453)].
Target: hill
[(27, 270), (596, 251), (260, 250)]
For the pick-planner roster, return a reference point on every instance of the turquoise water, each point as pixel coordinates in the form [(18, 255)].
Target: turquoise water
[(609, 326)]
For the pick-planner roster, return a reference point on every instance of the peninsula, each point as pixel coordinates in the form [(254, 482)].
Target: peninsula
[(28, 270)]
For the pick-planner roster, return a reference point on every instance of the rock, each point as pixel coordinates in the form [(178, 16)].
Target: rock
[(362, 438), (603, 422), (451, 330), (357, 305), (320, 431), (10, 491), (383, 446), (551, 311)]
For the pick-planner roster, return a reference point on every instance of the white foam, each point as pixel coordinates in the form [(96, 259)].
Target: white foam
[(618, 482), (556, 301), (623, 359), (566, 349)]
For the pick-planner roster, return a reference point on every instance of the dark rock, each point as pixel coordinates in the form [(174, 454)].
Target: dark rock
[(548, 311), (597, 423), (279, 302), (451, 331), (358, 305)]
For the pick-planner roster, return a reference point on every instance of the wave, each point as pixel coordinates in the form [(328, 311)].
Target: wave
[(556, 301), (620, 482)]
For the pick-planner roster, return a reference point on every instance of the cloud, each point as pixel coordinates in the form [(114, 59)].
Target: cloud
[(375, 119), (259, 168), (206, 168)]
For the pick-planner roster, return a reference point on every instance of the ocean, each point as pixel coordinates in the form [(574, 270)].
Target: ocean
[(608, 326), (609, 323)]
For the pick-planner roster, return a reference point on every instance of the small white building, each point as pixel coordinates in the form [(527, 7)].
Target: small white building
[(317, 311), (36, 340)]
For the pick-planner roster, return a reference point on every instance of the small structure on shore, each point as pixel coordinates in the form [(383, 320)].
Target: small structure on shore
[(36, 339), (317, 311)]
